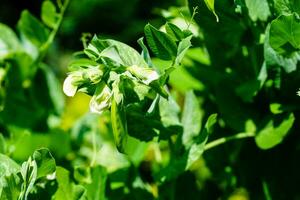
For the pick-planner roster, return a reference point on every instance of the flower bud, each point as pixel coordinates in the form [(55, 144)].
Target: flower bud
[(101, 99), (146, 75)]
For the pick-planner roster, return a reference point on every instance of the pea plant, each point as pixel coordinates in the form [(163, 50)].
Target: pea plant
[(218, 74)]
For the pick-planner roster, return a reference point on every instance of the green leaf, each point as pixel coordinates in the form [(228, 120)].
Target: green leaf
[(197, 148), (2, 144), (274, 131), (145, 52), (144, 74), (287, 6), (276, 108), (211, 6), (157, 86), (9, 42), (185, 158), (45, 162), (183, 46), (32, 29), (11, 190), (285, 34), (258, 9), (66, 189), (191, 118), (119, 125), (140, 125), (48, 14), (160, 43), (29, 176), (248, 90), (7, 167), (96, 189), (116, 51), (169, 112), (174, 31), (272, 58), (54, 89)]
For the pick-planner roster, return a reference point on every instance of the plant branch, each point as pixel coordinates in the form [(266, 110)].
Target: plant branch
[(53, 33), (223, 140)]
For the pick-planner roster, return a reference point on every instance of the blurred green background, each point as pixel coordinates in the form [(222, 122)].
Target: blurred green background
[(214, 68)]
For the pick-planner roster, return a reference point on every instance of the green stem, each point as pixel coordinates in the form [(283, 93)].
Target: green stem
[(44, 48), (223, 140), (94, 148), (53, 33)]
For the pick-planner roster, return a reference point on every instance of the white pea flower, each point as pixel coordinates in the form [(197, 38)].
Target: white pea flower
[(72, 82), (147, 75), (101, 99), (94, 74)]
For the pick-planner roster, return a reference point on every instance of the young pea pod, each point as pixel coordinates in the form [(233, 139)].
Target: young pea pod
[(119, 125)]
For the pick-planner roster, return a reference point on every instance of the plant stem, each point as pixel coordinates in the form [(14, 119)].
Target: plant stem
[(94, 147), (223, 140), (53, 33)]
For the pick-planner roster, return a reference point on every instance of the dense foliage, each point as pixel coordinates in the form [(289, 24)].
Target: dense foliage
[(204, 106)]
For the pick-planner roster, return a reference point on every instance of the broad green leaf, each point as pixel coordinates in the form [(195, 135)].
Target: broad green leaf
[(81, 63), (197, 148), (48, 14), (258, 9), (211, 6), (174, 31), (119, 125), (32, 29), (160, 43), (169, 112), (274, 131), (66, 189), (272, 58), (116, 51), (9, 42), (169, 118), (45, 162), (285, 34), (191, 118), (113, 55)]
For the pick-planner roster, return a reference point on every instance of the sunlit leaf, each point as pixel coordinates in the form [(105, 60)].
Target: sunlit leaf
[(274, 131), (48, 14), (160, 43)]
